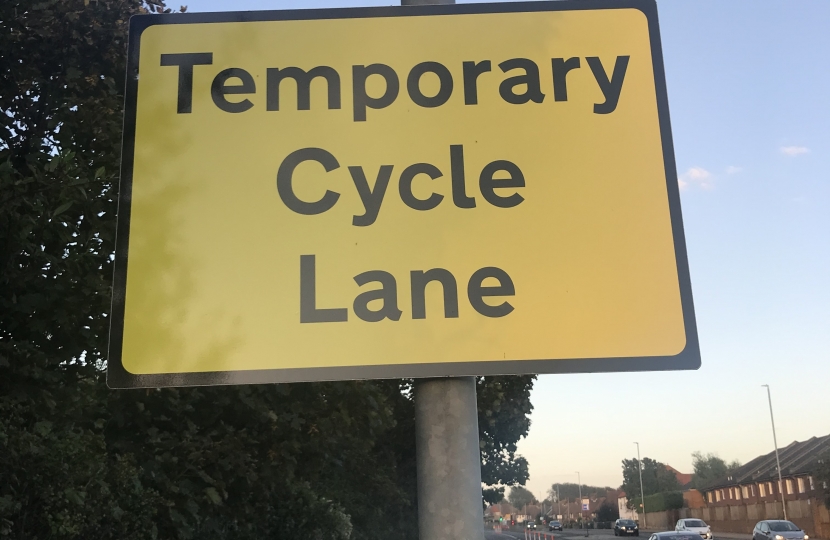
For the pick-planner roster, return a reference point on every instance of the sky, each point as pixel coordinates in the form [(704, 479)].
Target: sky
[(749, 97)]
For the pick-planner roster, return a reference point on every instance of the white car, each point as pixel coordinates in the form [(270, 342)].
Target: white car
[(694, 526)]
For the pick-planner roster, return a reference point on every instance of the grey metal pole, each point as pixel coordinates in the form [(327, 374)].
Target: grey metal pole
[(448, 459), (579, 485), (777, 461), (642, 493)]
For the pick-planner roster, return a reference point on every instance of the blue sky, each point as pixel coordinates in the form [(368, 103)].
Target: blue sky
[(749, 94)]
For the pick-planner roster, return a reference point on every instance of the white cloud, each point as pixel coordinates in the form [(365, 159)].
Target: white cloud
[(733, 170), (794, 150), (695, 176)]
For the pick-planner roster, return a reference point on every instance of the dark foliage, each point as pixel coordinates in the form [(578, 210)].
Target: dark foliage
[(503, 418), (656, 478), (608, 512), (520, 497), (568, 491), (709, 468), (660, 502)]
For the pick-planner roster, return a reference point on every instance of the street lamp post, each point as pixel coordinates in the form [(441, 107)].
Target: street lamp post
[(777, 461), (581, 507), (642, 492)]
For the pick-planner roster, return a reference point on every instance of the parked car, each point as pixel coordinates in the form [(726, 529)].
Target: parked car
[(530, 524), (626, 526), (694, 525), (778, 529), (554, 526), (674, 535)]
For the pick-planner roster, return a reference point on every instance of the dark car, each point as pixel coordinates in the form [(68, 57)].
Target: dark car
[(778, 529), (626, 526), (530, 525), (554, 526)]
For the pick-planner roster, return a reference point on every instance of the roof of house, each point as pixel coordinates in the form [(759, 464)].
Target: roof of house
[(682, 478), (500, 508), (797, 458)]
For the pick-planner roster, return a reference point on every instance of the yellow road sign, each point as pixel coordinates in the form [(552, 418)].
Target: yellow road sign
[(398, 192)]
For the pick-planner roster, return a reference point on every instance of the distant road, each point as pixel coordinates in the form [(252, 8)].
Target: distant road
[(567, 534)]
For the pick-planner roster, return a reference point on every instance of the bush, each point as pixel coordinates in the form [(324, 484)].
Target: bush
[(660, 502)]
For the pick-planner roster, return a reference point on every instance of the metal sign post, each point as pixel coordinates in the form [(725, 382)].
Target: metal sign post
[(448, 459)]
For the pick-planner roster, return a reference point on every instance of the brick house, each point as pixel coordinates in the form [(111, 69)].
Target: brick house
[(684, 479), (757, 481)]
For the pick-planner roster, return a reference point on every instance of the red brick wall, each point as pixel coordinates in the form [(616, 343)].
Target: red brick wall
[(811, 515)]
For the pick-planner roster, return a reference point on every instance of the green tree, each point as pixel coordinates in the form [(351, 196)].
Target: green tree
[(608, 512), (657, 478), (709, 468), (60, 94), (503, 419), (519, 497), (569, 491)]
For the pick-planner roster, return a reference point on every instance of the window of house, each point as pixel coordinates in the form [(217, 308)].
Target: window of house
[(745, 491), (738, 493), (709, 497), (769, 488), (763, 489), (718, 495), (789, 486), (812, 484), (802, 485), (752, 490), (780, 488)]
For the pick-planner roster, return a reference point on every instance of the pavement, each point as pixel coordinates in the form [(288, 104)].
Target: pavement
[(718, 535), (600, 534)]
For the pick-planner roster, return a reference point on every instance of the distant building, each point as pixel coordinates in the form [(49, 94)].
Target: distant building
[(683, 479), (622, 506), (501, 510), (693, 498), (757, 481), (571, 509)]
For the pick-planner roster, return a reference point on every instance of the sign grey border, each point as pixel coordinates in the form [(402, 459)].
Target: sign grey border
[(119, 377)]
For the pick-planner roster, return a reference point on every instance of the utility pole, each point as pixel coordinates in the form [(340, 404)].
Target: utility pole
[(581, 508), (777, 461), (579, 485), (642, 492)]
